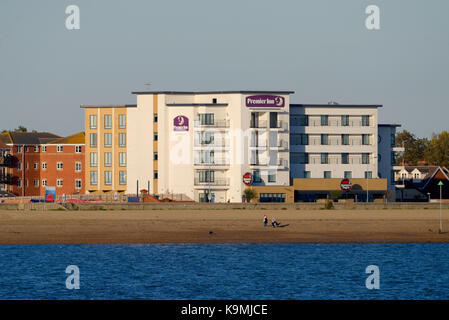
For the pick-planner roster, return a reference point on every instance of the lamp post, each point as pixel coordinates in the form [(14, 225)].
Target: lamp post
[(441, 197)]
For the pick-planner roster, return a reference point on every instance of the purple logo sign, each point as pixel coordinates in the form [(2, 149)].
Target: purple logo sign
[(265, 101), (181, 123)]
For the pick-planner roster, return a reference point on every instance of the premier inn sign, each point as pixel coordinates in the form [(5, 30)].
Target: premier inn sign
[(265, 101)]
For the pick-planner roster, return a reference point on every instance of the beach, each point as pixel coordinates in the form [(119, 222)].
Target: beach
[(221, 226)]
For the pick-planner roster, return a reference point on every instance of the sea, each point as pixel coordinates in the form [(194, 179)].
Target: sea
[(225, 271)]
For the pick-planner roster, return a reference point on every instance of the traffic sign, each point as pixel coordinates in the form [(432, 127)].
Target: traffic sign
[(345, 185), (247, 179)]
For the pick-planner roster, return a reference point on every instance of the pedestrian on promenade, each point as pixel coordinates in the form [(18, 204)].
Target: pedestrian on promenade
[(265, 221)]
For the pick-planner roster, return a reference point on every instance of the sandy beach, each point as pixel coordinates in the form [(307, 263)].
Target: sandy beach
[(221, 226)]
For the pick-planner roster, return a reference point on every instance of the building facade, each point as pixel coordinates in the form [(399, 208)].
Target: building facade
[(106, 148), (37, 160)]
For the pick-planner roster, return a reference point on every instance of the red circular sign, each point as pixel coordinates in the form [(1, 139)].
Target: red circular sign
[(345, 185), (247, 179)]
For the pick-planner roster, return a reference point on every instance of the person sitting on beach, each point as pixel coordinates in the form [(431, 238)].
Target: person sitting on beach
[(274, 223)]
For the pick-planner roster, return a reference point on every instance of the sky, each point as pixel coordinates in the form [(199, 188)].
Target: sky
[(320, 49)]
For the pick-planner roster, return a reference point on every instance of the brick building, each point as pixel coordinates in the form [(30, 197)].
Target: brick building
[(34, 160)]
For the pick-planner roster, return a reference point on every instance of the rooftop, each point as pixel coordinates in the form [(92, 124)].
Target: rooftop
[(215, 92), (77, 138), (27, 138)]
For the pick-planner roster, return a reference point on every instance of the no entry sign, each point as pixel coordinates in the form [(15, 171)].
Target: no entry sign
[(345, 185), (247, 179)]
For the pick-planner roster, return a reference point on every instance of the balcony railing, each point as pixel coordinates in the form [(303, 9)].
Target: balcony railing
[(213, 163), (221, 123), (258, 124), (258, 162), (216, 182), (218, 143)]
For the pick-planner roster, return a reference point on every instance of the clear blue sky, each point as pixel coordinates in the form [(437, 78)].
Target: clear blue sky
[(320, 49)]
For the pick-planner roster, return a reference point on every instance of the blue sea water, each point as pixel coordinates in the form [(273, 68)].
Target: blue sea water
[(241, 271)]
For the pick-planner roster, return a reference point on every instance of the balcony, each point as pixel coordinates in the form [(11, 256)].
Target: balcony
[(221, 123), (218, 143), (258, 162), (7, 161), (258, 124), (8, 179), (222, 182), (278, 125), (214, 163)]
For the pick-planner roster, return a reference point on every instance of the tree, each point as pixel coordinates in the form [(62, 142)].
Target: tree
[(415, 148), (438, 149), (20, 129), (249, 194)]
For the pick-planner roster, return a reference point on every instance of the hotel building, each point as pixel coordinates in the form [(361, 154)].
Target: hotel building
[(201, 144)]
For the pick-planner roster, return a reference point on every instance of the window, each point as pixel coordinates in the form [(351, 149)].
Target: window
[(345, 158), (44, 182), (155, 174), (256, 176), (365, 121), (36, 166), (77, 149), (273, 120), (36, 183), (78, 184), (93, 140), (122, 139), (122, 159), (26, 166), (26, 149), (44, 148), (379, 157), (365, 158), (44, 165), (19, 183), (324, 139), (365, 139), (93, 121), (345, 139), (59, 148), (271, 176), (36, 148), (108, 178), (59, 183), (324, 120), (206, 175), (154, 155), (303, 158), (206, 157), (207, 137), (272, 197), (78, 166), (324, 158), (327, 174), (368, 174), (93, 159), (108, 140), (107, 159), (19, 149), (345, 120), (122, 177), (214, 100), (307, 174), (107, 121), (122, 121), (59, 165), (206, 118), (155, 136), (348, 174), (304, 120), (19, 165), (93, 178), (154, 117), (299, 139)]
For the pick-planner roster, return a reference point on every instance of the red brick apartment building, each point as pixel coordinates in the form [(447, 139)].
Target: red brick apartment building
[(31, 161)]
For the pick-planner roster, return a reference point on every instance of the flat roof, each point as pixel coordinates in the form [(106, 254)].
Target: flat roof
[(214, 92), (388, 125), (108, 106), (327, 105)]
